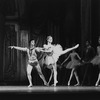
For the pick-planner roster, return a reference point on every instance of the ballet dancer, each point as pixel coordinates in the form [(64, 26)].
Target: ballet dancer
[(32, 61), (96, 61), (53, 52), (73, 65)]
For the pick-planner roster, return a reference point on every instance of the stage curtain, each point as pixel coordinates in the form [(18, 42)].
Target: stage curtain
[(9, 56), (2, 32), (85, 22)]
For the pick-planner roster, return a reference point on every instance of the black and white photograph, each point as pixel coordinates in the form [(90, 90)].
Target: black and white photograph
[(50, 48)]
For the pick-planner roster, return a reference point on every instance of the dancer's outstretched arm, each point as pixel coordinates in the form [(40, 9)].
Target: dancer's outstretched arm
[(46, 50), (39, 49), (18, 48), (69, 49)]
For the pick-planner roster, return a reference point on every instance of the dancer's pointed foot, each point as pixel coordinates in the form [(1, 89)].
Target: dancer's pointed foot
[(97, 85), (55, 83), (68, 84), (77, 84), (30, 85), (46, 84)]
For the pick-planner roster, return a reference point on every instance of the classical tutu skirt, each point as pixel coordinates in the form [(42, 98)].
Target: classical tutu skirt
[(73, 64), (96, 60), (49, 61)]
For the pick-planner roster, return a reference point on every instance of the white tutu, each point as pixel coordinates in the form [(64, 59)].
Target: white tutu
[(57, 52), (49, 60), (52, 58)]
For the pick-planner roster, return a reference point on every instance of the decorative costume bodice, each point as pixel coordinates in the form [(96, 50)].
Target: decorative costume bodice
[(32, 55)]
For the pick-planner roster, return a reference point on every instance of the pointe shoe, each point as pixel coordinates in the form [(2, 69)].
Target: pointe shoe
[(56, 82), (97, 85), (76, 84), (47, 84), (68, 84), (30, 85)]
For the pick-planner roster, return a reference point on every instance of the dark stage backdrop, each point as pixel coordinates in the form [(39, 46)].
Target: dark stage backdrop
[(68, 21)]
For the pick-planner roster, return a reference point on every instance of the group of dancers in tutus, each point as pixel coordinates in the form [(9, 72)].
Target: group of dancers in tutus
[(52, 53)]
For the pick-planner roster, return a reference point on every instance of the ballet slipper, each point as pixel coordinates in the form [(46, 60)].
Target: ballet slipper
[(96, 84), (55, 83), (68, 84), (46, 84), (77, 84), (30, 85)]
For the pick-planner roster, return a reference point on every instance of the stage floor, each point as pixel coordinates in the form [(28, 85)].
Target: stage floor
[(50, 93), (49, 89)]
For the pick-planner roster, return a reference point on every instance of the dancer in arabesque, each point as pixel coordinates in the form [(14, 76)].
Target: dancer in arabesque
[(53, 52)]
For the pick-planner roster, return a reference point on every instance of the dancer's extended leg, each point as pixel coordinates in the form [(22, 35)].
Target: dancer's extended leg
[(52, 73), (97, 82), (75, 73), (29, 70), (55, 74), (71, 76), (41, 74)]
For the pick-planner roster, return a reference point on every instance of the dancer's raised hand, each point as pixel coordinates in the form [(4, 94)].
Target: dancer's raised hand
[(11, 47)]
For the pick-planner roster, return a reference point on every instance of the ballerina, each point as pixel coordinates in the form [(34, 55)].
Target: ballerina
[(53, 52), (73, 64), (96, 61)]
